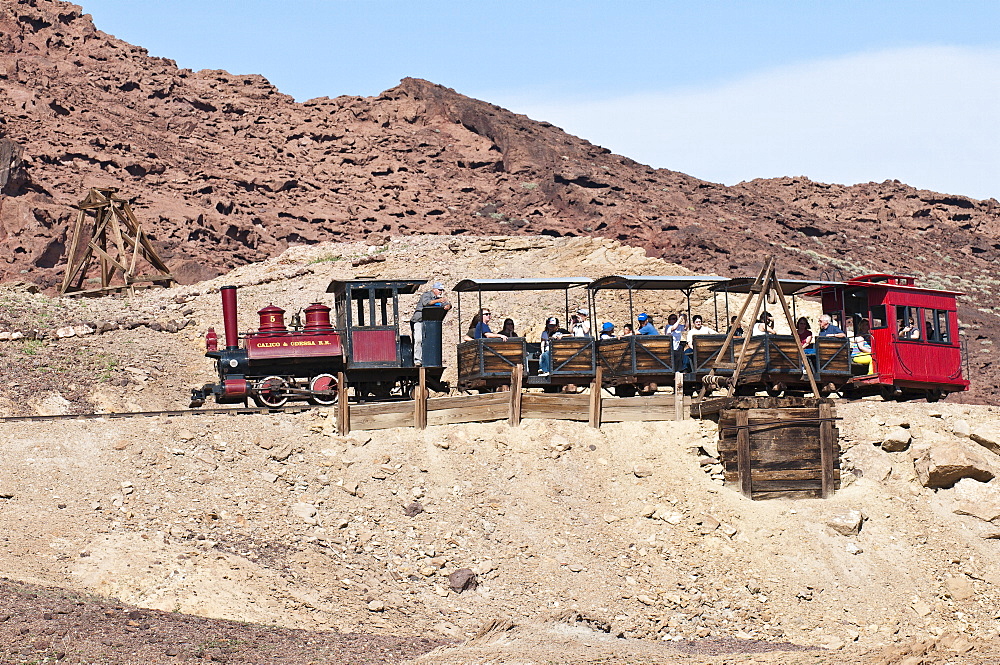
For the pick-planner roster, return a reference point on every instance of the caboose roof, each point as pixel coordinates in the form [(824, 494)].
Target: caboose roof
[(789, 287)]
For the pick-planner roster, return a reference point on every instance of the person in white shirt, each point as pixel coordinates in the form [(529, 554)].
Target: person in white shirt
[(581, 323), (676, 327), (764, 325), (698, 327)]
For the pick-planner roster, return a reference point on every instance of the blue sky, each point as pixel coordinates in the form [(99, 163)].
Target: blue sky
[(726, 91)]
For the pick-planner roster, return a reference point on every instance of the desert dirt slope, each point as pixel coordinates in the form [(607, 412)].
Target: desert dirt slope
[(610, 545), (226, 170)]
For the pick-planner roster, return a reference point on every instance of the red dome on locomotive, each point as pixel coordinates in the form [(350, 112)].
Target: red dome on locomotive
[(317, 318), (272, 320)]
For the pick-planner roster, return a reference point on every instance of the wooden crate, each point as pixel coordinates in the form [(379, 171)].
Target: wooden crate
[(789, 452)]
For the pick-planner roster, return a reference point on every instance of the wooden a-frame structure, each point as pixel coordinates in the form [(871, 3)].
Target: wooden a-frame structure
[(766, 282), (116, 242)]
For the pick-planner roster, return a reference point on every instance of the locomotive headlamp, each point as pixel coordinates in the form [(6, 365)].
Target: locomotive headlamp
[(234, 362)]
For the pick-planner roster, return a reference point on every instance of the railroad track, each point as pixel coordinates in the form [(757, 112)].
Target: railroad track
[(225, 411)]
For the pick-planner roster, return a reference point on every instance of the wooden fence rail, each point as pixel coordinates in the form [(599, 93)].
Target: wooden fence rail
[(512, 406)]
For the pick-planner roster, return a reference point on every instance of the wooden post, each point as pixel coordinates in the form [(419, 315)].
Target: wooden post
[(827, 448), (743, 451), (763, 283), (420, 401), (516, 380), (343, 406), (678, 396), (803, 358), (595, 398)]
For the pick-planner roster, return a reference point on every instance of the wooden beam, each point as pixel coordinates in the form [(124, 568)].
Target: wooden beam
[(595, 397), (806, 364), (827, 448), (516, 386), (743, 452), (678, 396), (420, 400), (765, 276), (343, 406)]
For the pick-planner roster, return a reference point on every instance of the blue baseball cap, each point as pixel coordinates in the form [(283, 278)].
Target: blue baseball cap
[(643, 317), (608, 326)]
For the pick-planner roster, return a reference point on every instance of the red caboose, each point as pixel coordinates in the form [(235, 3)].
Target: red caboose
[(916, 351)]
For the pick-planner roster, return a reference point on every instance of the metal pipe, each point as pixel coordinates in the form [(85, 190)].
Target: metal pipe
[(229, 317)]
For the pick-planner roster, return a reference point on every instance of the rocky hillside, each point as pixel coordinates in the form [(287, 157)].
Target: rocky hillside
[(226, 170)]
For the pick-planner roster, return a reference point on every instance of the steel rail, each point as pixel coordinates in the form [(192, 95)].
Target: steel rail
[(229, 411)]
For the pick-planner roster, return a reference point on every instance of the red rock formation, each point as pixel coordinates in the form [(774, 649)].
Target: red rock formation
[(225, 169)]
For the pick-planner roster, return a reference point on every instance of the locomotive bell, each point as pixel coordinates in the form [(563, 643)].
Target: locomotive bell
[(272, 320)]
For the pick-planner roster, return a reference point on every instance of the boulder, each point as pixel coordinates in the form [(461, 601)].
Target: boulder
[(959, 588), (305, 512), (896, 440), (463, 579), (872, 462), (988, 436), (946, 462), (642, 470), (847, 523), (976, 499), (961, 428)]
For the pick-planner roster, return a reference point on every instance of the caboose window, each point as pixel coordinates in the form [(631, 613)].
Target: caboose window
[(878, 318), (942, 329), (910, 323)]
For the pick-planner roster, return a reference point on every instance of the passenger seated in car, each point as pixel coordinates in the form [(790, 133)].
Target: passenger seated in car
[(581, 323), (646, 324), (608, 331), (628, 330), (739, 329), (827, 327), (483, 327), (764, 325), (676, 327), (805, 335), (698, 327), (470, 334), (508, 328), (552, 331), (861, 348)]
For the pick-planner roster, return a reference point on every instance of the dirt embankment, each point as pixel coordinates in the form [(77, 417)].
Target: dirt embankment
[(611, 544)]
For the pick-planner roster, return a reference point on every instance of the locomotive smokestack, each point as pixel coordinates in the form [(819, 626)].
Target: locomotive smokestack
[(229, 317)]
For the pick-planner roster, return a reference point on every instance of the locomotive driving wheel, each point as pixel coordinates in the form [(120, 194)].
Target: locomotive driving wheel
[(324, 383), (270, 392)]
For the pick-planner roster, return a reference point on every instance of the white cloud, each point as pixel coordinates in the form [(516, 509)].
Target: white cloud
[(926, 116)]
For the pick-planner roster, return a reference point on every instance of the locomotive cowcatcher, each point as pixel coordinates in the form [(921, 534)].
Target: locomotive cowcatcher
[(363, 343)]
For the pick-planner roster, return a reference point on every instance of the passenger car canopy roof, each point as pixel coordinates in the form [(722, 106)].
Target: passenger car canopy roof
[(523, 284), (384, 288), (789, 287), (654, 283)]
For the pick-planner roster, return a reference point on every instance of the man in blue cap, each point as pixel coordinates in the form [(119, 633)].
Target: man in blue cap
[(646, 326), (608, 331), (433, 298)]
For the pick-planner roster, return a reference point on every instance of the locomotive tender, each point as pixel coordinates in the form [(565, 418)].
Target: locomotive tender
[(363, 344)]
